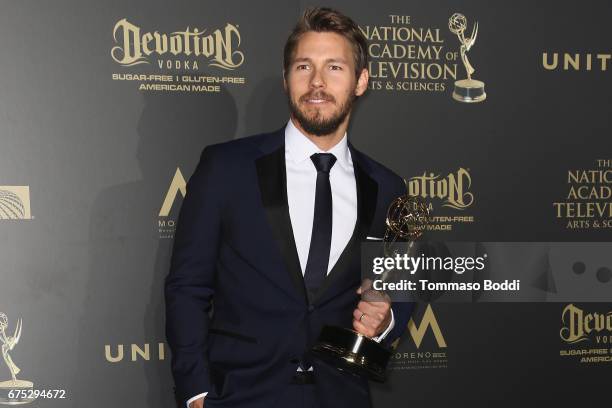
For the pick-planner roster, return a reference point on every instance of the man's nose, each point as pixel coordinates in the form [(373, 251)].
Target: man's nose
[(317, 80)]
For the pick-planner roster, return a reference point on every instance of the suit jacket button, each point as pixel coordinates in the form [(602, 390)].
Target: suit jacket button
[(311, 308)]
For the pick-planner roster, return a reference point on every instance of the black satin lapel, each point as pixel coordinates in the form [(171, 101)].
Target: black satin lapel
[(367, 195), (272, 178)]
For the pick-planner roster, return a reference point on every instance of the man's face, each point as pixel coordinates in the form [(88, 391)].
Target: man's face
[(321, 84)]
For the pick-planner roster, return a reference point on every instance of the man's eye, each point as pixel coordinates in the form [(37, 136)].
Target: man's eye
[(336, 67), (302, 66)]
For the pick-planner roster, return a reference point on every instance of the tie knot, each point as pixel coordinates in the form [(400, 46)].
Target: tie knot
[(323, 161)]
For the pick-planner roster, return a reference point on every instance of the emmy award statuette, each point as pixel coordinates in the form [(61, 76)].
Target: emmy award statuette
[(466, 90), (348, 350), (10, 386)]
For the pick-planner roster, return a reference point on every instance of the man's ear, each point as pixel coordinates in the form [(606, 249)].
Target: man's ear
[(362, 82)]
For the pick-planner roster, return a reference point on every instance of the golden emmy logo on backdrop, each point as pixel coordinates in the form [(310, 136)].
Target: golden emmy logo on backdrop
[(15, 203), (8, 344), (348, 350), (466, 90)]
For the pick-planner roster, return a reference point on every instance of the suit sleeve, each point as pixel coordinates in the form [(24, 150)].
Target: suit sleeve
[(401, 310), (189, 286)]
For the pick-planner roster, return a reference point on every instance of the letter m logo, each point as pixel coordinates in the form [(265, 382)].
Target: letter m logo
[(418, 332), (178, 184)]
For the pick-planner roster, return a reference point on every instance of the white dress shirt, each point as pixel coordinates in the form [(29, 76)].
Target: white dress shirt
[(301, 189)]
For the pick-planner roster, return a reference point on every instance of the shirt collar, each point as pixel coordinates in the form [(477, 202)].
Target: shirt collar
[(300, 148)]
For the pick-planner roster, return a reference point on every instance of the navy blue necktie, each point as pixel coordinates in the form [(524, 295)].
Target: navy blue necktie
[(320, 241)]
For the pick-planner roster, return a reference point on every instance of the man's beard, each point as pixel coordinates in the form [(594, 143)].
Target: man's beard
[(318, 125)]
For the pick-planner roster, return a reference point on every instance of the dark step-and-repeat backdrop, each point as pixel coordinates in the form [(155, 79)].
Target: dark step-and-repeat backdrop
[(105, 108)]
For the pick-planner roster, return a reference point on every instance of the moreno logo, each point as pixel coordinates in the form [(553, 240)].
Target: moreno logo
[(178, 184), (417, 331)]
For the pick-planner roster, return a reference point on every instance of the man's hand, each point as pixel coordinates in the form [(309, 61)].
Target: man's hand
[(373, 313), (199, 403)]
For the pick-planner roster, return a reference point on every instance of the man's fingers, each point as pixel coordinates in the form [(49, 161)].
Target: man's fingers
[(371, 313), (357, 315), (363, 329), (370, 324), (373, 318), (375, 296), (379, 310)]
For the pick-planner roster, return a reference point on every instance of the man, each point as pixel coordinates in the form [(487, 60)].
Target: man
[(270, 231)]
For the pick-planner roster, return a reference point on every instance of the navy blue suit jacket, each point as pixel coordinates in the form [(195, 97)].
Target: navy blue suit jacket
[(237, 316)]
